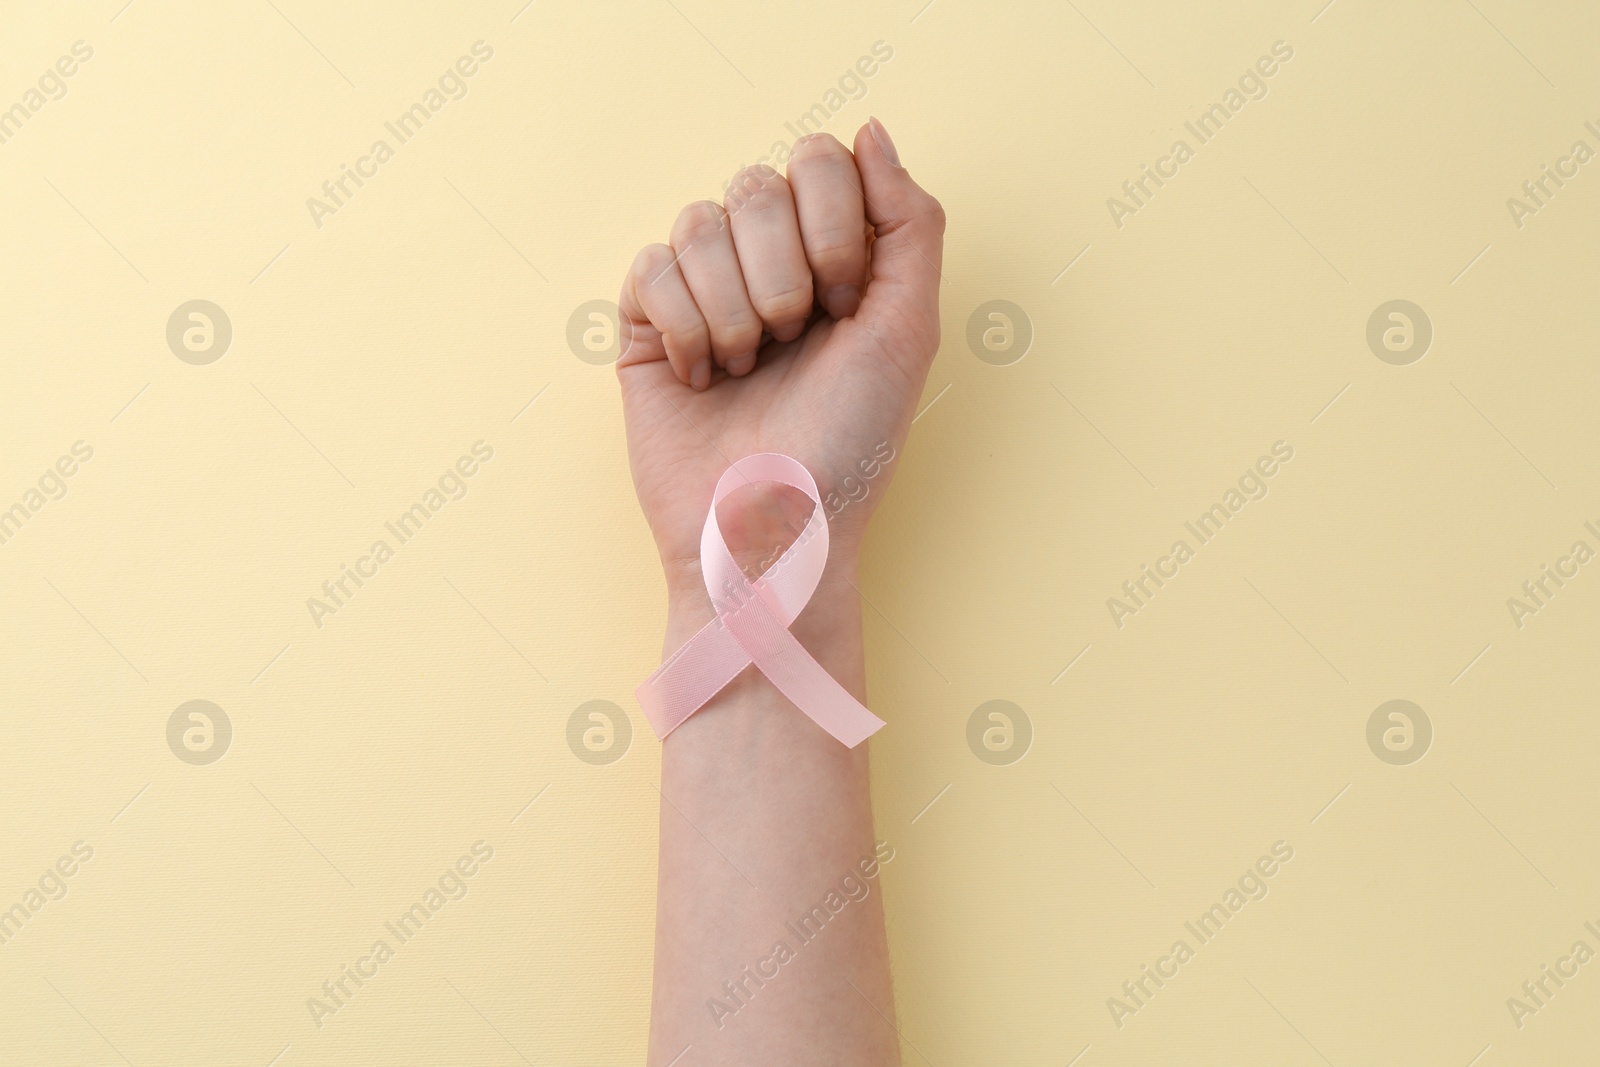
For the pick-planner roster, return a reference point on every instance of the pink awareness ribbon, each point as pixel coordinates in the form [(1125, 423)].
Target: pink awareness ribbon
[(753, 618)]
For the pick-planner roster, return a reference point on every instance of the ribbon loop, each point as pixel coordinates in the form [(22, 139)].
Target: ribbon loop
[(753, 619)]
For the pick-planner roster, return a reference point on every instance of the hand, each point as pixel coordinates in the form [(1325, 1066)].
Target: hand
[(801, 317)]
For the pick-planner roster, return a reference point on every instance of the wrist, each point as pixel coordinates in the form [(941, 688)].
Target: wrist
[(759, 526), (689, 605), (828, 628)]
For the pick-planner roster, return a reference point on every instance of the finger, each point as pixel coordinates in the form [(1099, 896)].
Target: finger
[(656, 293), (711, 268), (641, 341), (833, 223), (766, 234), (901, 304)]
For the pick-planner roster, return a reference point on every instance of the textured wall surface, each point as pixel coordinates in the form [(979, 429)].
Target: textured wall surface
[(1266, 400)]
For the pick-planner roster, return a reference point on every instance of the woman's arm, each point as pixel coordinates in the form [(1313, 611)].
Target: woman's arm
[(766, 822), (800, 317)]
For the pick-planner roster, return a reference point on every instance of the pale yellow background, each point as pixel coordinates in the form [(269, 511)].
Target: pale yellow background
[(370, 353)]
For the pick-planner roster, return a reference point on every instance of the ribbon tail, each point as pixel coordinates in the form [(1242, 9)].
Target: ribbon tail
[(696, 672), (798, 676)]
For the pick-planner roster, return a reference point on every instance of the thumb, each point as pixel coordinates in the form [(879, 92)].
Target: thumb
[(901, 303)]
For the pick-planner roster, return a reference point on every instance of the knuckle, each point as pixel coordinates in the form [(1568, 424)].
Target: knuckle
[(835, 249), (787, 306), (817, 150), (651, 261), (756, 188), (736, 336), (699, 221), (685, 335)]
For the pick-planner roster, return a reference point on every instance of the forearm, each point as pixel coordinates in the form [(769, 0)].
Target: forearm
[(763, 816)]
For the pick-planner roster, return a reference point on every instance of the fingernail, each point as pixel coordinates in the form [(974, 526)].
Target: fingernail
[(842, 301), (740, 365), (885, 145), (700, 377)]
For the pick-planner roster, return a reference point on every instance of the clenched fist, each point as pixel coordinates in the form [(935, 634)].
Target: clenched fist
[(798, 316)]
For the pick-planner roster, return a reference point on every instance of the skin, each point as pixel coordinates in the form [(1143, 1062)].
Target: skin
[(799, 316)]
